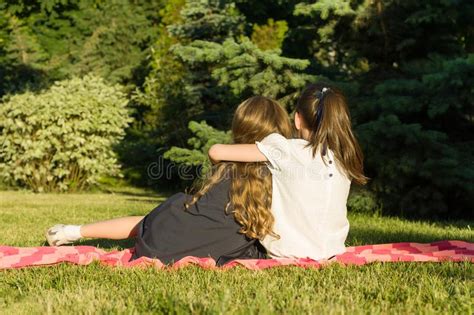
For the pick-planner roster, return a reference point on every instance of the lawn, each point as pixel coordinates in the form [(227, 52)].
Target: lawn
[(377, 288)]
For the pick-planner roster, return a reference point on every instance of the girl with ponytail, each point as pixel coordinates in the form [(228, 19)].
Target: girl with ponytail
[(311, 175)]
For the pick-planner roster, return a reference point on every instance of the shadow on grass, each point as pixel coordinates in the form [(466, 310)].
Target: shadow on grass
[(108, 244), (156, 201), (105, 243), (149, 194), (139, 194), (360, 235)]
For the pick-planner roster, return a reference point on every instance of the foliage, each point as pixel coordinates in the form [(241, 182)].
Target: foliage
[(225, 72), (413, 111), (55, 39), (405, 65), (20, 54), (363, 201), (204, 137), (204, 76), (430, 116), (118, 34), (163, 93), (245, 69), (213, 20), (62, 139), (160, 104), (270, 35), (199, 97)]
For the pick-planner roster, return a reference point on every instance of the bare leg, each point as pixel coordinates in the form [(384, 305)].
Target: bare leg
[(116, 229)]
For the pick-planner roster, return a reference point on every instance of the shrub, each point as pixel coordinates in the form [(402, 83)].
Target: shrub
[(363, 201), (62, 139)]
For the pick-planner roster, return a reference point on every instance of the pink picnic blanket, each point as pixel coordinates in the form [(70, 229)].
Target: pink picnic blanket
[(18, 257)]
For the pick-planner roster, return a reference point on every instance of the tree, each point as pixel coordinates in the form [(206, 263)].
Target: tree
[(421, 126), (212, 20), (245, 69), (21, 55), (116, 37), (55, 39), (270, 35), (414, 106)]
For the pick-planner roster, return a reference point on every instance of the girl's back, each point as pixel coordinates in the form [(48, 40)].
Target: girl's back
[(309, 200), (171, 232)]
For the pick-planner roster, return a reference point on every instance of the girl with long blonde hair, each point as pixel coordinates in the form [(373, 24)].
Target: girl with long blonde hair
[(224, 219)]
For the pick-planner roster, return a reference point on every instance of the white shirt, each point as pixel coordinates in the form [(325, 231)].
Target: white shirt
[(308, 200)]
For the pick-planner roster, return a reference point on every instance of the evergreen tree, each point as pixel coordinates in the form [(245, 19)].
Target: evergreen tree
[(422, 163), (210, 68), (414, 108), (21, 54), (204, 136), (246, 69), (173, 94), (56, 39), (118, 34), (213, 20), (270, 35)]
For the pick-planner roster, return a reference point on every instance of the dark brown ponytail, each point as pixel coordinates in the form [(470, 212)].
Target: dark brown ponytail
[(324, 111)]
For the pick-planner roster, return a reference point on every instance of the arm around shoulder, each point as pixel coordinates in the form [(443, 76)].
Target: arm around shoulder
[(235, 153)]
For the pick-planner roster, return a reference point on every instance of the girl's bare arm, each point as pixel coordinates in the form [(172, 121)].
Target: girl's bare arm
[(236, 153)]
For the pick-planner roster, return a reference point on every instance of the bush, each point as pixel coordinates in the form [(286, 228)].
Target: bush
[(363, 201), (62, 139)]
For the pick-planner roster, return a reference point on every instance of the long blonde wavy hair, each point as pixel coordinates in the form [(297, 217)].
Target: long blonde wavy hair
[(250, 195)]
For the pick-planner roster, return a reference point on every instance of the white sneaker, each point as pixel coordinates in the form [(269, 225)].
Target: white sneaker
[(57, 236)]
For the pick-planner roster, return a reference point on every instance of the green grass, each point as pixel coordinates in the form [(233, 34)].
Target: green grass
[(376, 288)]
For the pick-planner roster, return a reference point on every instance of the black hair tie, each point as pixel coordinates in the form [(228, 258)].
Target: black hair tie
[(320, 111)]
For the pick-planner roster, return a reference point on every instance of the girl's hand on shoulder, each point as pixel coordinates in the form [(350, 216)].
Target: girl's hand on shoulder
[(235, 153)]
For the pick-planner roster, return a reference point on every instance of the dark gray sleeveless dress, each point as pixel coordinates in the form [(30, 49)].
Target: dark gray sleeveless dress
[(170, 232)]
